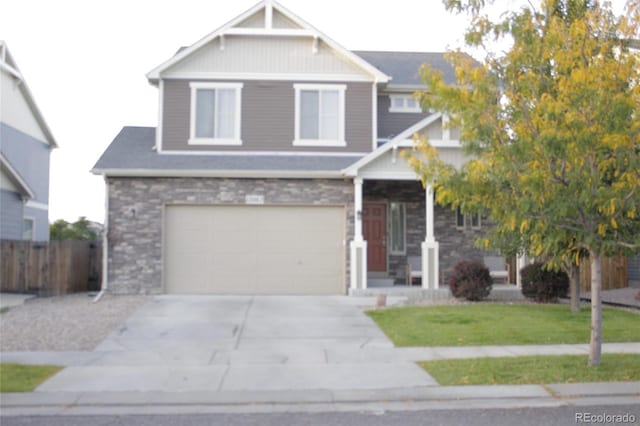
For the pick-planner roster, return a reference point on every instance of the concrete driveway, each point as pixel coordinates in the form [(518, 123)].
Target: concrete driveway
[(242, 343)]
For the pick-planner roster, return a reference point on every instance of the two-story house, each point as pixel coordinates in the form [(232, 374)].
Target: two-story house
[(25, 149), (277, 168)]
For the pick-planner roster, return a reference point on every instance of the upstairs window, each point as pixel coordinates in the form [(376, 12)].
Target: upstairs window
[(404, 103), (215, 114), (319, 115)]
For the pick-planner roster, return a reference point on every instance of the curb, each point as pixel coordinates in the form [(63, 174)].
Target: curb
[(418, 398)]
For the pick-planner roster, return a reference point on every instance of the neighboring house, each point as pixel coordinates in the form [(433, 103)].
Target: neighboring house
[(25, 148), (277, 167)]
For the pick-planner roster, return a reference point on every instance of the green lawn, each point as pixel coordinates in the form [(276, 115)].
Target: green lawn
[(534, 370), (501, 324), (24, 378)]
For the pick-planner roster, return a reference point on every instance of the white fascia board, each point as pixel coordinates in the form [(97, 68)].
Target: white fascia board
[(379, 76), (24, 89), (22, 185), (400, 141), (239, 76), (258, 174), (307, 30), (409, 132), (154, 75), (264, 153), (403, 88)]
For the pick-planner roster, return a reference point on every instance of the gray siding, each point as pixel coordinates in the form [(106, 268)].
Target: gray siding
[(10, 215), (30, 158), (268, 114), (390, 124)]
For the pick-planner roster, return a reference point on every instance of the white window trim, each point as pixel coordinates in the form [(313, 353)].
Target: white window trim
[(404, 107), (193, 140), (404, 227), (341, 142), (33, 227), (479, 225), (464, 218)]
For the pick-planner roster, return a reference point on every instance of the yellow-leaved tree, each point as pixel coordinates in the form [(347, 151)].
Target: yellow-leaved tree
[(553, 124)]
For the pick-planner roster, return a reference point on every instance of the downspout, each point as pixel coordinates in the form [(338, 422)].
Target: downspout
[(105, 244)]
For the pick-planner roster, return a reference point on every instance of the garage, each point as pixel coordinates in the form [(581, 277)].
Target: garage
[(251, 249)]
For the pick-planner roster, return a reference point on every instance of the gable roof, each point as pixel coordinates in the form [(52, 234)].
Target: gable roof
[(268, 6), (8, 65)]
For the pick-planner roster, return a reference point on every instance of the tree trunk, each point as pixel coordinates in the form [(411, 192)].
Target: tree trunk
[(574, 287), (595, 348)]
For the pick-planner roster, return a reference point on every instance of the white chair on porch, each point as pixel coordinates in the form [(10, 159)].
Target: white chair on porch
[(498, 267), (414, 268)]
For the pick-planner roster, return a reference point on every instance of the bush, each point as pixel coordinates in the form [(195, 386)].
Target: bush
[(543, 285), (470, 280)]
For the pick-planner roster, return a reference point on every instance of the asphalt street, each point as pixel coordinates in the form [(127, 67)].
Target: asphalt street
[(549, 416)]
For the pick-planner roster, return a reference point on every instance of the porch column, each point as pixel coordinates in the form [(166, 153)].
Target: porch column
[(430, 247), (358, 245), (521, 262)]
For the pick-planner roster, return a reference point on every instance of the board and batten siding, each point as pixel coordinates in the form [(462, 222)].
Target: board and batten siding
[(267, 117)]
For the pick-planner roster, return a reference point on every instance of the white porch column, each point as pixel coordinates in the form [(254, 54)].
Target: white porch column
[(358, 245), (521, 262), (430, 247)]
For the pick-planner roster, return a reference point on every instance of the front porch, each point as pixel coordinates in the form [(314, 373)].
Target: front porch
[(396, 219)]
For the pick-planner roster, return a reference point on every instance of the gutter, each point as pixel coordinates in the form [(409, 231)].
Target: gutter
[(259, 174), (105, 245)]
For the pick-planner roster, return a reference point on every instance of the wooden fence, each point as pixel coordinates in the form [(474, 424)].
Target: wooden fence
[(614, 273), (50, 268)]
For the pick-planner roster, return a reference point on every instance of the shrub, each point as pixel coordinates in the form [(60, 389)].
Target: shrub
[(470, 280), (543, 285)]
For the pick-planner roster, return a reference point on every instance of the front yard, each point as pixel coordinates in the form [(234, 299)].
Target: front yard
[(501, 324), (513, 324)]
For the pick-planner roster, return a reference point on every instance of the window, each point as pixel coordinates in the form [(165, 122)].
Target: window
[(459, 218), (404, 103), (462, 219), (397, 219), (215, 114), (28, 229), (319, 115), (475, 220)]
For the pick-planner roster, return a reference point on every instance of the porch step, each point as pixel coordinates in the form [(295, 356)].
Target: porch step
[(380, 282)]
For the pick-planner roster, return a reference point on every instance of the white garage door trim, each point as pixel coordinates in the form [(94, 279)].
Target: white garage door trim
[(249, 249)]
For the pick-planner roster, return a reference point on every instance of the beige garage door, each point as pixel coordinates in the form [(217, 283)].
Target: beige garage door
[(254, 250)]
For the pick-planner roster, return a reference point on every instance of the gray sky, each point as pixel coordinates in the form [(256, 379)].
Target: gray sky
[(85, 63)]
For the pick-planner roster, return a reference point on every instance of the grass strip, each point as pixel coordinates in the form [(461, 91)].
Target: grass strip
[(24, 378), (533, 370)]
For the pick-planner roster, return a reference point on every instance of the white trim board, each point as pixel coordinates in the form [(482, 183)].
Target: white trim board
[(308, 30)]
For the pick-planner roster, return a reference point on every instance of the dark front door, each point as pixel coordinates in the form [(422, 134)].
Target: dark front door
[(374, 223)]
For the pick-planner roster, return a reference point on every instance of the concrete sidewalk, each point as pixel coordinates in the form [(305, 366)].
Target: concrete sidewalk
[(380, 355)]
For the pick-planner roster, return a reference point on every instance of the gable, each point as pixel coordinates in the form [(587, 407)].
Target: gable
[(280, 57), (15, 110), (279, 21), (269, 42)]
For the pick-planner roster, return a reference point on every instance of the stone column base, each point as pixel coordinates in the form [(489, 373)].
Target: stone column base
[(358, 264), (430, 265)]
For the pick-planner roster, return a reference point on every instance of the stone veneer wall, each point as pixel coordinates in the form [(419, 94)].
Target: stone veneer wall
[(136, 219), (455, 244)]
